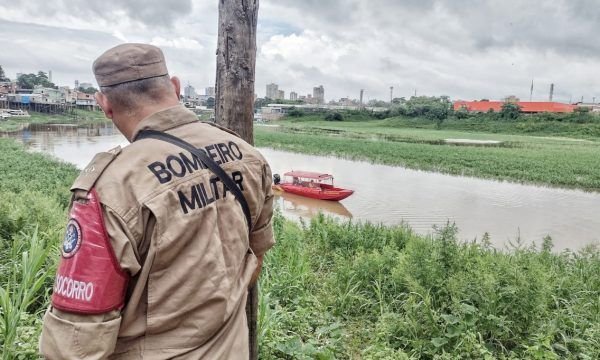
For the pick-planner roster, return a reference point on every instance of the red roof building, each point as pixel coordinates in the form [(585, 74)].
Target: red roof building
[(530, 107)]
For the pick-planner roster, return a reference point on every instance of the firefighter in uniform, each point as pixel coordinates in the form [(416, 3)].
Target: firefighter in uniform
[(157, 256)]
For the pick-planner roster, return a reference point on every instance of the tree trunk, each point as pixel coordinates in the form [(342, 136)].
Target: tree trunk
[(236, 60), (234, 97)]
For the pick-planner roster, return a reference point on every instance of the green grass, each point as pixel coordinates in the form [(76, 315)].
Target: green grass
[(34, 192), (79, 117), (360, 291), (540, 125), (554, 161), (336, 290), (477, 128)]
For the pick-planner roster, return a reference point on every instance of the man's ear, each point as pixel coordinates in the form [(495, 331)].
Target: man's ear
[(104, 104), (177, 85)]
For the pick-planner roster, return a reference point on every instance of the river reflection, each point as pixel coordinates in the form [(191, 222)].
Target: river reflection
[(302, 207), (70, 143), (391, 195)]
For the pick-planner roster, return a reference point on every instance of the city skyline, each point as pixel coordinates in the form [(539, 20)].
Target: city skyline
[(462, 49)]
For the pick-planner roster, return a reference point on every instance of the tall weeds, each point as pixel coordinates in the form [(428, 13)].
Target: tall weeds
[(33, 196), (22, 293), (388, 293)]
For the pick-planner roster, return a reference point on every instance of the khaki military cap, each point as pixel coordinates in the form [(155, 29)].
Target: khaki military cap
[(129, 62)]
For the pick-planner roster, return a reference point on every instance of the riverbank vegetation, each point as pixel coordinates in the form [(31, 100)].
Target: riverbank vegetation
[(334, 290), (438, 113), (34, 191), (337, 290), (529, 149), (77, 117)]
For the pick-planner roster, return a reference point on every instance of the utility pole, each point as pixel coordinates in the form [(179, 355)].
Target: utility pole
[(391, 94), (531, 92), (362, 93), (236, 62), (234, 98)]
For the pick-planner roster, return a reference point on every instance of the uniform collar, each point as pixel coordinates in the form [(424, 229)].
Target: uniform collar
[(166, 119)]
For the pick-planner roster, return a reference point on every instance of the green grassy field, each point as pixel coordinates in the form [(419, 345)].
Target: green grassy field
[(335, 290), (556, 160), (359, 291), (79, 117)]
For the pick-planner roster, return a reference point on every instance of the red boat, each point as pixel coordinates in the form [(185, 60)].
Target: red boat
[(311, 184)]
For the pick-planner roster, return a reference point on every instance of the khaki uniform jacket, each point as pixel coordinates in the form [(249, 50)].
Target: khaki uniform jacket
[(186, 248)]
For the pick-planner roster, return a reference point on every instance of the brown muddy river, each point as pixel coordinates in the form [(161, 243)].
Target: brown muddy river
[(392, 195)]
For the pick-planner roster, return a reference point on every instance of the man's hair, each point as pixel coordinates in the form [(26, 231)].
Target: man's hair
[(132, 94)]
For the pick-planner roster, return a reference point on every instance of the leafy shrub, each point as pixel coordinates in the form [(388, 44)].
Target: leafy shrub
[(334, 116), (390, 294), (294, 112)]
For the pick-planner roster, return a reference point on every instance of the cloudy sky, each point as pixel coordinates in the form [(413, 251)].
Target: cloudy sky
[(467, 49)]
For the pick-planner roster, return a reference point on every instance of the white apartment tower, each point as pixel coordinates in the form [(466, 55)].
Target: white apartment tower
[(272, 91), (319, 94)]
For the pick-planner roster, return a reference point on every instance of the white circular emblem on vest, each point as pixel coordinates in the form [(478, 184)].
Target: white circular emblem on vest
[(73, 238)]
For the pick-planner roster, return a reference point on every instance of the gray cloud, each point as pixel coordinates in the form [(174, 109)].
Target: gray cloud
[(467, 24), (466, 48), (462, 48), (68, 53), (148, 12)]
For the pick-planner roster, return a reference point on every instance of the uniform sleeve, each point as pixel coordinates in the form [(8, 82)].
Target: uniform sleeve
[(82, 324), (261, 238)]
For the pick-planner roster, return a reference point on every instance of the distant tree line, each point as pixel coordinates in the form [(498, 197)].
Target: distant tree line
[(440, 109), (29, 81), (89, 90), (3, 75)]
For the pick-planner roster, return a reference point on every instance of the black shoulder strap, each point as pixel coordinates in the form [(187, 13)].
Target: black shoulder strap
[(206, 160)]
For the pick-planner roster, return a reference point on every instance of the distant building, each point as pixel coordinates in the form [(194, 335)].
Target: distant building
[(86, 85), (293, 96), (47, 95), (8, 87), (209, 91), (526, 106), (272, 112), (23, 98), (272, 91), (347, 102), (302, 97), (280, 95), (84, 99), (319, 94), (189, 92), (67, 94), (593, 107)]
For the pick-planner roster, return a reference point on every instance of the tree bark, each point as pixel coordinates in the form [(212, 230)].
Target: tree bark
[(234, 97), (236, 61)]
